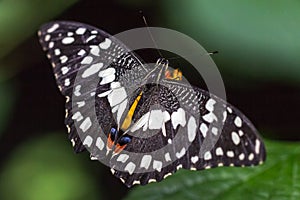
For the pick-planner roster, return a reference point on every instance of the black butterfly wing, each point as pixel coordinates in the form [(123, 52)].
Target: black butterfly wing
[(209, 133), (96, 74), (235, 141), (88, 62)]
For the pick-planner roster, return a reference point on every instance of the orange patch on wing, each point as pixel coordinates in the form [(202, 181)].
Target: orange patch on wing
[(119, 148), (109, 143), (174, 75), (168, 74)]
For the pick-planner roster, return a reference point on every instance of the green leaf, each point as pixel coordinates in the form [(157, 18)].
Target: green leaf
[(278, 178), (47, 169)]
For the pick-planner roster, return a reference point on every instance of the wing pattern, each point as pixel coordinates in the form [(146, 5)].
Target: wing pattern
[(144, 128)]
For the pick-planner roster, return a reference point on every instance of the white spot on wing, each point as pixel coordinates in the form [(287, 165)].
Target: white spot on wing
[(152, 180), (104, 94), (238, 121), (145, 127), (166, 175), (192, 129), (107, 72), (90, 38), (81, 52), (224, 116), (64, 70), (141, 122), (73, 142), (53, 28), (194, 159), (179, 166), (230, 154), (88, 141), (229, 109), (107, 75), (47, 38), (114, 85), (181, 153), (257, 146), (156, 119), (68, 40), (163, 129), (207, 155), (116, 96), (178, 117), (235, 138), (241, 133), (95, 50), (92, 70), (203, 129), (93, 157), (57, 52), (157, 165), (77, 116), (94, 32), (219, 151), (168, 157), (86, 124), (166, 116), (214, 130), (87, 60), (63, 59), (105, 44), (80, 31), (51, 45), (242, 156), (130, 167), (67, 82), (122, 158), (70, 33), (210, 117), (99, 143), (135, 182), (77, 90), (145, 162), (210, 105), (251, 156), (80, 104)]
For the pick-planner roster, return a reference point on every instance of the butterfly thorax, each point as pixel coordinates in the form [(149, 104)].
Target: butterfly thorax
[(118, 137)]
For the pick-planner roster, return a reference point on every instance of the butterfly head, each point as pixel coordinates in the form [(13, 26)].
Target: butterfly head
[(162, 61), (170, 74)]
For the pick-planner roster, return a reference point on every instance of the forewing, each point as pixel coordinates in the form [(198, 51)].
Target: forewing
[(89, 64)]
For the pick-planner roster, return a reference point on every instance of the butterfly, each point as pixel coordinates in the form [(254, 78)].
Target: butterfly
[(144, 122)]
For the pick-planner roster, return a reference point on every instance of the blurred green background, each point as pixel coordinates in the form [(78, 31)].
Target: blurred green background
[(258, 44)]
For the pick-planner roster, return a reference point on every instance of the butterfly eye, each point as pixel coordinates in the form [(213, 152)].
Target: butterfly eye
[(124, 140)]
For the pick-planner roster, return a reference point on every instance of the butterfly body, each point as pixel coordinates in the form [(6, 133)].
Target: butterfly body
[(144, 122)]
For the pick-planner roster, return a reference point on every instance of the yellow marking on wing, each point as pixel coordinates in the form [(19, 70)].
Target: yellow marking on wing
[(128, 119)]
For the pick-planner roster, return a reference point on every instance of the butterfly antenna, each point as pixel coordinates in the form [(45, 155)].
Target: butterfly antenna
[(151, 36)]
